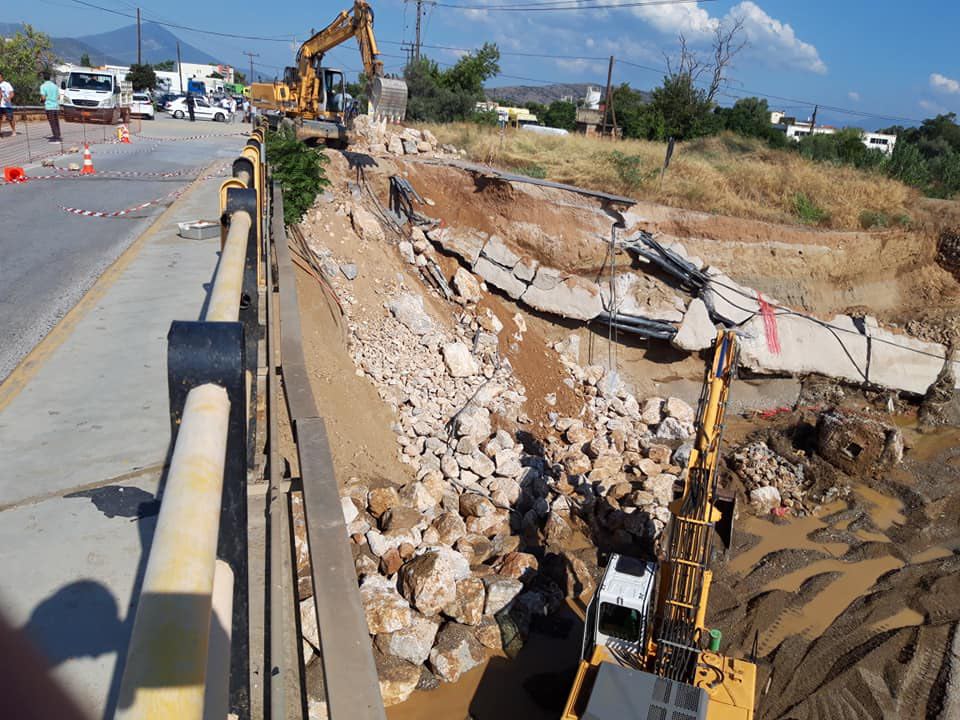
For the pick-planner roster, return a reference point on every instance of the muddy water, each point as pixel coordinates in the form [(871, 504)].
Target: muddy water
[(809, 619), (790, 535), (883, 510)]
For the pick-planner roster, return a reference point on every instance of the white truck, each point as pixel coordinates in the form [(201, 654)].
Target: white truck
[(95, 94)]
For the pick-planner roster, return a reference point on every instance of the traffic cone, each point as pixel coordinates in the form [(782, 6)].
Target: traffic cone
[(123, 135), (13, 174), (87, 168)]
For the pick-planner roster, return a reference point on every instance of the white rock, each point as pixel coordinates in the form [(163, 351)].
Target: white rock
[(350, 511), (406, 251), (499, 277), (499, 252), (765, 498), (574, 297), (408, 309), (366, 225), (673, 429), (652, 409), (696, 331), (413, 642), (459, 361), (500, 591), (385, 609), (677, 408), (466, 285)]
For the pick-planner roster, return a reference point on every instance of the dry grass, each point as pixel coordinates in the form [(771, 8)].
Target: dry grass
[(726, 174)]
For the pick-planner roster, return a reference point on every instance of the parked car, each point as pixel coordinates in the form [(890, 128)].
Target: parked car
[(202, 110), (165, 99), (142, 105)]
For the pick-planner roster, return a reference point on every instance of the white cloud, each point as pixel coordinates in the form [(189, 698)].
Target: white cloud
[(689, 19), (854, 95), (944, 84), (776, 40), (773, 40)]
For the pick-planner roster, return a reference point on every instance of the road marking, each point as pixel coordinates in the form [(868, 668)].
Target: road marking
[(30, 365)]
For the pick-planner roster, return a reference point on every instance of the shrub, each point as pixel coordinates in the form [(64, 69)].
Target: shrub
[(299, 170), (534, 171), (628, 168), (808, 211), (873, 219)]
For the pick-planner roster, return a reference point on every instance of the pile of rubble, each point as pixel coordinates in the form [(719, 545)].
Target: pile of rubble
[(397, 140), (491, 533), (771, 481)]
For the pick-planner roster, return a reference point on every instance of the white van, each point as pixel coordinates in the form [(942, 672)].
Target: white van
[(95, 95)]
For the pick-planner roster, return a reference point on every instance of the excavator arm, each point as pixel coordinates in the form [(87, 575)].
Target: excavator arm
[(356, 22)]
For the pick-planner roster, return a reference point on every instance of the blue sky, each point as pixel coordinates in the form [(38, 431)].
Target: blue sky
[(881, 57)]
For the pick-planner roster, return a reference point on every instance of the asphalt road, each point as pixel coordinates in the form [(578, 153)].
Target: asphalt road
[(50, 258)]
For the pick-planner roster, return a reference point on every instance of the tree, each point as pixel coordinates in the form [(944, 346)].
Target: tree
[(681, 106), (85, 60), (561, 114), (215, 75), (908, 165), (681, 110), (472, 70), (23, 58), (166, 66), (238, 75), (449, 95), (633, 114), (142, 77)]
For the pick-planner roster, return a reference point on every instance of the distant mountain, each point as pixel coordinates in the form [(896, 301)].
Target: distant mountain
[(119, 47), (157, 43), (544, 94)]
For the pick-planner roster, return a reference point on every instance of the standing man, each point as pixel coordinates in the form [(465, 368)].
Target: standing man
[(51, 103), (190, 104), (6, 105)]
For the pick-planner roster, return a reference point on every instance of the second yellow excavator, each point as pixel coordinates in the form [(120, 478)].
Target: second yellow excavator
[(314, 97), (647, 652)]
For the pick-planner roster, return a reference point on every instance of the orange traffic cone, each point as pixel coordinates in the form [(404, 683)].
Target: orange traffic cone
[(123, 135), (14, 174), (87, 168)]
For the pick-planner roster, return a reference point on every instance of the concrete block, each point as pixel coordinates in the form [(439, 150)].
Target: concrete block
[(696, 331), (547, 278), (903, 362), (573, 298), (499, 252), (729, 300), (499, 277), (526, 269), (464, 242)]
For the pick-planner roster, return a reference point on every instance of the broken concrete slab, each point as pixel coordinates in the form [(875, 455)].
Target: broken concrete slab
[(729, 301), (845, 349), (526, 269), (547, 278), (574, 298), (697, 331), (465, 243), (499, 277), (499, 252)]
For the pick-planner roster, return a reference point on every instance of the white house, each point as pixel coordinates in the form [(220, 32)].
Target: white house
[(797, 129)]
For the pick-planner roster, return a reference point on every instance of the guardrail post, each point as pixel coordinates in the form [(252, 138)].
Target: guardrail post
[(215, 352)]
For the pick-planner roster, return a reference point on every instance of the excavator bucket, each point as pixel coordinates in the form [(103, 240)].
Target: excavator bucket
[(389, 99)]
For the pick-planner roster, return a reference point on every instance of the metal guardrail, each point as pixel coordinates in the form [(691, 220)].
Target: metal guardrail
[(188, 657)]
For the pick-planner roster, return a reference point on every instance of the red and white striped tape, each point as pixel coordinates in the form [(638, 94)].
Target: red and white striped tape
[(120, 213), (194, 137)]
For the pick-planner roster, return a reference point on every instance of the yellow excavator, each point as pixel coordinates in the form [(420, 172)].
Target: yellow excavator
[(314, 97), (647, 652)]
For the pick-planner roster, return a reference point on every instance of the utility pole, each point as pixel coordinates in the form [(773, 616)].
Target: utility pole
[(813, 119), (139, 59), (251, 56), (417, 46), (180, 68), (608, 102)]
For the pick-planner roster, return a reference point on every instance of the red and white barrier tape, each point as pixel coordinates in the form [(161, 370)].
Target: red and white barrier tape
[(194, 137), (120, 213)]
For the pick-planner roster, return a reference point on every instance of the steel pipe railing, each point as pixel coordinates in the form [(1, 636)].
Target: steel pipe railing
[(183, 661), (224, 303), (165, 675)]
